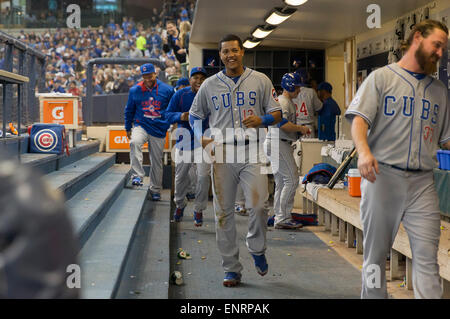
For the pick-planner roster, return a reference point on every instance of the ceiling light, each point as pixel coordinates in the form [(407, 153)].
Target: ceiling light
[(263, 31), (278, 15), (250, 43), (294, 2)]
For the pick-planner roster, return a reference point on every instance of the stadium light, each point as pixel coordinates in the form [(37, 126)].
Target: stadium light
[(250, 43), (262, 31), (278, 15), (294, 3)]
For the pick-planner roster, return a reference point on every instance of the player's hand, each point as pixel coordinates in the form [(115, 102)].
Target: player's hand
[(184, 116), (304, 130), (129, 135), (252, 121), (206, 141), (368, 165)]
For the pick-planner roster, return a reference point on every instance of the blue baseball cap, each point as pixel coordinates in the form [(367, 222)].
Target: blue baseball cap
[(325, 86), (182, 81), (147, 68), (198, 69)]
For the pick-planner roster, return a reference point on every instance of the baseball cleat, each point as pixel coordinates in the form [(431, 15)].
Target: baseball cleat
[(198, 219), (271, 221), (261, 264), (240, 210), (190, 196), (290, 224), (178, 214), (136, 181), (156, 196), (232, 279)]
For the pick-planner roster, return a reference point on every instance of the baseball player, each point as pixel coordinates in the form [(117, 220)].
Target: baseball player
[(307, 104), (178, 112), (147, 102), (408, 114), (235, 99), (328, 113), (286, 174)]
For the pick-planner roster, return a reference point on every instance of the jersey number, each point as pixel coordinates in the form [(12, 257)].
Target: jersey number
[(428, 133), (247, 113), (303, 109)]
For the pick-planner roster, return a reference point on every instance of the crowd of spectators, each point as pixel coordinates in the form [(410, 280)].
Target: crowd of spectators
[(164, 36)]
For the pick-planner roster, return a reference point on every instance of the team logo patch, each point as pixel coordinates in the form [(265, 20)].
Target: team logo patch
[(355, 101), (46, 140), (274, 95)]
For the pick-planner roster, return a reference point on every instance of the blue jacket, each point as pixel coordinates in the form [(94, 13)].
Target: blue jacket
[(181, 102), (327, 119), (146, 108)]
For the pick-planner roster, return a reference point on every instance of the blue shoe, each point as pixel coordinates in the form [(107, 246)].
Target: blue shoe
[(190, 196), (198, 219), (178, 214), (261, 264), (136, 181), (156, 196), (232, 279), (271, 221)]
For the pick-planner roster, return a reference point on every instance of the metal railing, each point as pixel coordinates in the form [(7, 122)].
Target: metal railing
[(17, 57)]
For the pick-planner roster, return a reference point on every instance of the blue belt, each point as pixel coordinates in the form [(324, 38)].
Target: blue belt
[(402, 169)]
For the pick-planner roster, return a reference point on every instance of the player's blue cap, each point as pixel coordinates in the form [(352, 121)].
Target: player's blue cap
[(325, 86), (182, 81), (198, 69), (300, 78), (289, 81), (147, 68)]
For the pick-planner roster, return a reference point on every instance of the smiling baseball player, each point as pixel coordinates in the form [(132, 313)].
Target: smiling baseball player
[(178, 112), (408, 115), (237, 98), (144, 121)]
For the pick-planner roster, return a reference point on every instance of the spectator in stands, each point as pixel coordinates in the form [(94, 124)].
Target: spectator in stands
[(58, 87), (172, 37), (154, 17), (135, 52), (74, 90), (184, 16), (185, 33), (141, 42)]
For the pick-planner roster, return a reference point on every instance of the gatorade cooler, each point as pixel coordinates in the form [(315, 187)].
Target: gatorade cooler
[(354, 182)]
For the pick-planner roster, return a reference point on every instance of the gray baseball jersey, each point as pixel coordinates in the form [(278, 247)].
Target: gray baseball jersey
[(407, 117), (227, 103), (307, 104), (288, 108)]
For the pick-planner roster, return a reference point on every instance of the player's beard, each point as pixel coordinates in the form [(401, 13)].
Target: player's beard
[(427, 62)]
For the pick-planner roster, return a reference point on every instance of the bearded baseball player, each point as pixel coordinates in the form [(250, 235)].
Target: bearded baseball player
[(307, 104), (236, 99), (145, 122), (186, 146), (400, 115), (283, 164)]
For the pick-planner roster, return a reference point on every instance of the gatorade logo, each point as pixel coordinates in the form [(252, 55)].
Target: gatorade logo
[(58, 113), (46, 140), (120, 140)]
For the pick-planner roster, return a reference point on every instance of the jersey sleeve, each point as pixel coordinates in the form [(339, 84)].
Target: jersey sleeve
[(130, 110), (317, 103), (366, 101), (270, 101), (199, 108)]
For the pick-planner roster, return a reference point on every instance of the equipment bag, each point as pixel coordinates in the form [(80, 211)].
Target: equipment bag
[(48, 138)]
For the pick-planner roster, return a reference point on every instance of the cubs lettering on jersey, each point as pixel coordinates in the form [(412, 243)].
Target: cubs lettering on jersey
[(409, 107)]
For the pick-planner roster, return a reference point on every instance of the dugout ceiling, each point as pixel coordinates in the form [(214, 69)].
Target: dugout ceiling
[(317, 24)]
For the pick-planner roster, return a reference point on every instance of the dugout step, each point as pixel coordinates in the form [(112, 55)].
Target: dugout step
[(89, 206), (72, 178), (104, 255)]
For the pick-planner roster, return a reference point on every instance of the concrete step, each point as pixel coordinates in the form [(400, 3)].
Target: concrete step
[(104, 255), (88, 207), (47, 163), (72, 178)]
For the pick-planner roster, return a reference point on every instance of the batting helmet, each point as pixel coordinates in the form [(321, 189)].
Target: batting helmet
[(289, 82)]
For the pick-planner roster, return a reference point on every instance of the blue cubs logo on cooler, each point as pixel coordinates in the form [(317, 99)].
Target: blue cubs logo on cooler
[(46, 140), (274, 95)]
